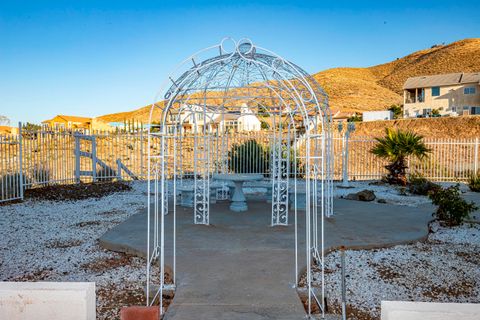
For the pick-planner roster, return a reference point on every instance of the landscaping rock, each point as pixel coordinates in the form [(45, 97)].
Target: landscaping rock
[(382, 201), (364, 195)]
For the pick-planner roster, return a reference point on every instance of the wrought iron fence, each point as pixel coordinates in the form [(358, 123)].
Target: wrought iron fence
[(39, 157), (449, 160), (11, 175)]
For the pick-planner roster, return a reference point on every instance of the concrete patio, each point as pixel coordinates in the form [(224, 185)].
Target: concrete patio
[(241, 268)]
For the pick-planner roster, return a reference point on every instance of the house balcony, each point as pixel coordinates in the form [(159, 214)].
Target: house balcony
[(414, 96)]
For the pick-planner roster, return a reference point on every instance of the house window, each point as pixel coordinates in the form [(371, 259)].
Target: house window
[(435, 91), (421, 95), (475, 110), (469, 90)]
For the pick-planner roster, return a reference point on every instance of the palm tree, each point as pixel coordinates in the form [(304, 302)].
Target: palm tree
[(396, 146)]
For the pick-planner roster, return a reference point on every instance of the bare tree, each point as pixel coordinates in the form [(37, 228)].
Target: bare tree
[(4, 121)]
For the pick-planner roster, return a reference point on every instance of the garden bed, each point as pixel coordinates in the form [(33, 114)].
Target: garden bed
[(75, 192)]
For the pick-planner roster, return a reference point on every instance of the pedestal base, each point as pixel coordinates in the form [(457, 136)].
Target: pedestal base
[(239, 206), (239, 203)]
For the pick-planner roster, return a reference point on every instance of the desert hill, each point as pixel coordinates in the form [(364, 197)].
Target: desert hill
[(376, 87)]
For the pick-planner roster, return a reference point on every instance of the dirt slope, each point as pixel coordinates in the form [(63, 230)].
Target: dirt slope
[(466, 127)]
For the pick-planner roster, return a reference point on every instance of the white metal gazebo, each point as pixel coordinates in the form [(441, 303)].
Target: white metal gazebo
[(220, 80)]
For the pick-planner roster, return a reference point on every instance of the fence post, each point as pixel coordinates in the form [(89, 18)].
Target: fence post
[(475, 164), (119, 169), (20, 158), (77, 157), (350, 128), (343, 285), (94, 159), (141, 153)]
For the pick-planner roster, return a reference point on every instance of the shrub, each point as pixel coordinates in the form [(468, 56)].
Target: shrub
[(396, 110), (106, 174), (474, 182), (417, 184), (452, 208), (249, 157)]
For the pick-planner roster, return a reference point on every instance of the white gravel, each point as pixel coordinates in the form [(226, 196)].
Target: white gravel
[(56, 241), (445, 268)]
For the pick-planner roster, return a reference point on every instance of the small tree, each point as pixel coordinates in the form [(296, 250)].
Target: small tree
[(474, 182), (396, 146), (396, 110), (31, 127), (355, 118), (4, 121), (264, 125)]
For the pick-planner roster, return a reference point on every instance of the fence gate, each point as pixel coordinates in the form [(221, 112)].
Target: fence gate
[(79, 153), (11, 174)]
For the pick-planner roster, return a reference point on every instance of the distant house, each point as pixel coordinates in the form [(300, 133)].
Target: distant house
[(68, 122), (8, 130), (192, 119), (377, 115), (450, 94), (338, 115)]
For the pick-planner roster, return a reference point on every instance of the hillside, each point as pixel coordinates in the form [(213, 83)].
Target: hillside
[(355, 89), (376, 87)]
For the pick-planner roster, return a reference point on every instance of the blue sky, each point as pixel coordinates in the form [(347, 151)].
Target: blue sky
[(90, 58)]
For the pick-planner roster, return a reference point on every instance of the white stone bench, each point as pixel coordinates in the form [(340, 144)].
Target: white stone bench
[(47, 300), (187, 193), (301, 197), (404, 310), (263, 184)]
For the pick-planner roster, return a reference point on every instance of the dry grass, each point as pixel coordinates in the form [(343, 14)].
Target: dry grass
[(355, 89)]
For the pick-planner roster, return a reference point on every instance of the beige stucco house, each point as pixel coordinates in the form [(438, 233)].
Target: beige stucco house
[(450, 94), (63, 122)]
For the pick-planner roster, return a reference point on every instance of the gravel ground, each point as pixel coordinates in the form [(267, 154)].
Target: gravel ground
[(391, 194), (57, 241), (45, 240), (445, 268)]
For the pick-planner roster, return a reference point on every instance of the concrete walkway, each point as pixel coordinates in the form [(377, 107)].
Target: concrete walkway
[(241, 268)]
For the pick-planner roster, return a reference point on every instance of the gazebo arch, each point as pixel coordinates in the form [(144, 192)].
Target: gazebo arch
[(218, 82)]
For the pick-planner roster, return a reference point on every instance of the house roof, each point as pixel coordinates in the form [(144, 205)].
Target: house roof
[(5, 129), (70, 118), (442, 80), (338, 114), (227, 116)]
